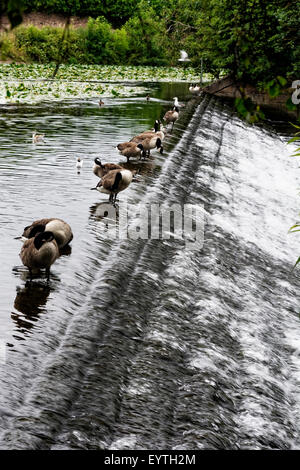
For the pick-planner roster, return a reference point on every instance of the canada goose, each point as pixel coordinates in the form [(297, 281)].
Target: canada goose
[(154, 129), (40, 252), (79, 164), (150, 143), (60, 229), (114, 182), (132, 150), (156, 126), (101, 103), (145, 135), (194, 89), (171, 116), (37, 137), (101, 170), (148, 97)]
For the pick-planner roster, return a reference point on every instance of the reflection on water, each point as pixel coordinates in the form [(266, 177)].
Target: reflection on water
[(132, 336), (30, 302)]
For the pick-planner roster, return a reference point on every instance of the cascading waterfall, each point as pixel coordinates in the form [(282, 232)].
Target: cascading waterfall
[(166, 347)]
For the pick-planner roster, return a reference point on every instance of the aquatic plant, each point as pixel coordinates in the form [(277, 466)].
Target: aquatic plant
[(31, 82)]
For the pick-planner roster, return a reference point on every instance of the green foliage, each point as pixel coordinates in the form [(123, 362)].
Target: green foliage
[(98, 43), (41, 45), (296, 139), (248, 110), (296, 227), (256, 41), (253, 40), (276, 86), (144, 36), (98, 35)]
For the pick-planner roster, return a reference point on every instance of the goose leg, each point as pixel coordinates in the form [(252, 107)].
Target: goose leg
[(48, 274)]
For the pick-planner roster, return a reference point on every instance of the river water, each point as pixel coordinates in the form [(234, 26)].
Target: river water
[(150, 344)]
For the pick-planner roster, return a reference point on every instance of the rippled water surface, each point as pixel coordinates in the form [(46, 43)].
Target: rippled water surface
[(147, 344)]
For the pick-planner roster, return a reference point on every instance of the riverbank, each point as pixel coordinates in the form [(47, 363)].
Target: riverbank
[(228, 87)]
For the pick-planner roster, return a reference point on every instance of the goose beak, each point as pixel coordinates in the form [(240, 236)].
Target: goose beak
[(93, 188)]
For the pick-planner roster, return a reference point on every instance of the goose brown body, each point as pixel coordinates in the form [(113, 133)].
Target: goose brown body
[(114, 182), (60, 229), (146, 135), (150, 143), (171, 116), (132, 150)]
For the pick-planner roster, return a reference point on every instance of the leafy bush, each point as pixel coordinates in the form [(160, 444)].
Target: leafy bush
[(44, 44), (145, 35), (97, 43), (9, 50), (41, 45), (98, 35)]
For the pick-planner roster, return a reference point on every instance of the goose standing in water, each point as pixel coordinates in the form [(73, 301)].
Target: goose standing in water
[(154, 129), (149, 134), (101, 170), (37, 137), (79, 164), (171, 116), (40, 252), (114, 182), (61, 230), (132, 150), (101, 103), (150, 143)]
